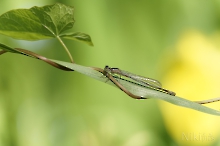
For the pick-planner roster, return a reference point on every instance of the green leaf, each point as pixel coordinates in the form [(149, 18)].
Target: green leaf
[(39, 23)]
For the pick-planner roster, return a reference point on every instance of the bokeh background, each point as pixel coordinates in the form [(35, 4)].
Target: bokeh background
[(174, 41)]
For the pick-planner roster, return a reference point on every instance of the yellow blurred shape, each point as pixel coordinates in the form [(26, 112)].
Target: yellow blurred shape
[(195, 75)]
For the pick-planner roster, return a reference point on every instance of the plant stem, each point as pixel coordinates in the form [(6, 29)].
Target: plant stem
[(66, 49)]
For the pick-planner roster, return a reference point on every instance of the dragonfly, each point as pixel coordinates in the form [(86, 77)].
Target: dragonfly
[(144, 81)]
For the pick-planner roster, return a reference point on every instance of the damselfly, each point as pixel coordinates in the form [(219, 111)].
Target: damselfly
[(148, 82), (113, 80)]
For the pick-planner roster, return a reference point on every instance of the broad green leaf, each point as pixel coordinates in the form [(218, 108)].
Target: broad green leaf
[(39, 23), (132, 87)]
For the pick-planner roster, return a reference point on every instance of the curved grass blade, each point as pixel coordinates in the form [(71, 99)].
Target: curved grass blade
[(139, 90), (134, 88)]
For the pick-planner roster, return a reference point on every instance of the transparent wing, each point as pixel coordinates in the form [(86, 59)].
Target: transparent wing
[(142, 80)]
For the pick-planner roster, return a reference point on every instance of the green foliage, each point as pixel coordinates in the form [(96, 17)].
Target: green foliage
[(39, 23)]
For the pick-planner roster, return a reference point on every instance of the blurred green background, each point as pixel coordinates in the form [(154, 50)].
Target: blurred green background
[(44, 106)]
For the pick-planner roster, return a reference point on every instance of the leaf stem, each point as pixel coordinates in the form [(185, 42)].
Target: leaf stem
[(66, 49)]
